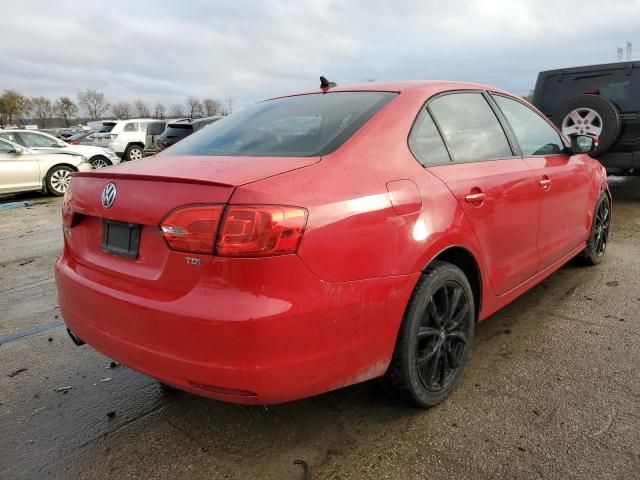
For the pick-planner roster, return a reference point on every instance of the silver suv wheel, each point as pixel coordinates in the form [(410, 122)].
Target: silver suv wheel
[(582, 121)]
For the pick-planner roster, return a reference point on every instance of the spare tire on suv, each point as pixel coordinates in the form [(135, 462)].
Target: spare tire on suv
[(590, 115)]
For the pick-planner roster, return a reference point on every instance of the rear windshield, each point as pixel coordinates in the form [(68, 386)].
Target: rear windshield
[(106, 127), (177, 130), (300, 126)]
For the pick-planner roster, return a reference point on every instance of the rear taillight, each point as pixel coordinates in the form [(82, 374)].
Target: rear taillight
[(111, 136), (256, 230), (192, 228), (73, 142), (243, 230)]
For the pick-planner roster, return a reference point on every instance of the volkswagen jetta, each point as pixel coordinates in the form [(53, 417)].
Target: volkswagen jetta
[(318, 240)]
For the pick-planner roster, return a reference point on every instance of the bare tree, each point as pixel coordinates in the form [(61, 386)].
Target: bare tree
[(194, 107), (177, 110), (121, 110), (42, 109), (66, 109), (228, 110), (159, 110), (211, 107), (94, 103), (141, 109)]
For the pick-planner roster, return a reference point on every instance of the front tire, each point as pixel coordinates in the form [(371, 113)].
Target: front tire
[(58, 180), (435, 337), (133, 152), (99, 162), (599, 235)]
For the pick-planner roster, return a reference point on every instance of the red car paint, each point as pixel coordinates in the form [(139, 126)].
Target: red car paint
[(278, 328)]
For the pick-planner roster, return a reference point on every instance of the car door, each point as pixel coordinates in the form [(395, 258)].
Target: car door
[(494, 186), (563, 180), (18, 172)]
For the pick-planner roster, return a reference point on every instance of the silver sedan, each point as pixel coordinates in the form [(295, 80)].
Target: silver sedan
[(23, 169)]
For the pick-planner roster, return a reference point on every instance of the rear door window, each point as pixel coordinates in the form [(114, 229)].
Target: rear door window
[(470, 128), (298, 126), (131, 127), (535, 136), (9, 136)]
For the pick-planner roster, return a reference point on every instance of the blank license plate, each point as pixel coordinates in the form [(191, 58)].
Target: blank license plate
[(120, 238)]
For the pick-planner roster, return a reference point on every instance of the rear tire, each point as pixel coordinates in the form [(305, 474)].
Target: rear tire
[(599, 235), (133, 152), (58, 179), (608, 120), (434, 341)]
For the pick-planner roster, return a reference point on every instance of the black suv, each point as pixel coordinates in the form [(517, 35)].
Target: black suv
[(176, 131), (598, 100)]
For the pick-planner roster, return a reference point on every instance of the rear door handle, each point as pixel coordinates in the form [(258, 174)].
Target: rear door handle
[(545, 183), (475, 197)]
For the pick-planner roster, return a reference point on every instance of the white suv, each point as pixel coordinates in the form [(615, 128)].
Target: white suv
[(128, 137), (43, 142)]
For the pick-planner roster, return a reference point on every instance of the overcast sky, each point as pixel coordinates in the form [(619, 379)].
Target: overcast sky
[(167, 50)]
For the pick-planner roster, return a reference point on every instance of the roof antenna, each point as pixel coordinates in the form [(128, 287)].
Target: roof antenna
[(324, 83)]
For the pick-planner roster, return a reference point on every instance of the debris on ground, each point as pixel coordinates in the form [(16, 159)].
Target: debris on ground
[(16, 372), (63, 389), (50, 339), (27, 262), (10, 205), (106, 379), (113, 365), (111, 414), (305, 468), (613, 283)]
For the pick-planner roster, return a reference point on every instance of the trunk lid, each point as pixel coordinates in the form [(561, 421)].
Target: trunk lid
[(147, 191)]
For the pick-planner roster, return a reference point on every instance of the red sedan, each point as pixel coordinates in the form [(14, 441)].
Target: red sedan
[(318, 240)]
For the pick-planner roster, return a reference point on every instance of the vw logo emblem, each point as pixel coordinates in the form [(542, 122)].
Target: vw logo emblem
[(109, 195)]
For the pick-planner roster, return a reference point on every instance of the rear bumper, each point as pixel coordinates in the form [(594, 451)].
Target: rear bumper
[(278, 334)]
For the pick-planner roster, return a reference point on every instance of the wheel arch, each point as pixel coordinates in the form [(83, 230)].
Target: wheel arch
[(462, 258)]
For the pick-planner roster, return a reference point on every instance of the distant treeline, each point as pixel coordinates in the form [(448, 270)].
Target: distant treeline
[(16, 108)]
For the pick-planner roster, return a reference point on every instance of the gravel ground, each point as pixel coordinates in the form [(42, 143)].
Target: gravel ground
[(552, 390)]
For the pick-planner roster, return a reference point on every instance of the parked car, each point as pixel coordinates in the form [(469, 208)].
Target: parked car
[(82, 138), (23, 169), (98, 157), (598, 100), (318, 240), (128, 137), (175, 132)]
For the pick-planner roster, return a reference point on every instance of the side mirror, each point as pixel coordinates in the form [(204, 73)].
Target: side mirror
[(60, 143), (583, 144), (18, 150)]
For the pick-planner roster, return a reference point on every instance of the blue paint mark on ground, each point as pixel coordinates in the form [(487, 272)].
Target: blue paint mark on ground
[(18, 336), (10, 205)]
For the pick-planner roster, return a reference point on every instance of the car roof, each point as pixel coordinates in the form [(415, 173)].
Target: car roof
[(595, 67), (430, 87), (24, 130)]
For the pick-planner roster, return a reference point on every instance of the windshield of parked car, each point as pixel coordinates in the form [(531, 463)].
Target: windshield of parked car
[(299, 126)]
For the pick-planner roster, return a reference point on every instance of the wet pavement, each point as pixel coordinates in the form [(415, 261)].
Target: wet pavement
[(552, 389)]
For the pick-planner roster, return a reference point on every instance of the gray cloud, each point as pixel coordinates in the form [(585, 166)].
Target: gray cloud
[(250, 50)]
